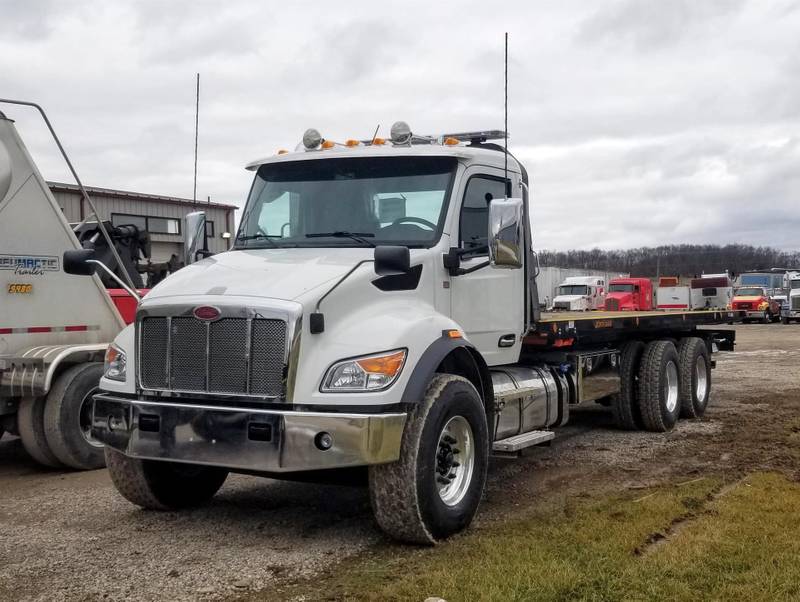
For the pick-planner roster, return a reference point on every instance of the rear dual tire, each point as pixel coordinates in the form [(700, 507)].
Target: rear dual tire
[(695, 377), (55, 430), (658, 387)]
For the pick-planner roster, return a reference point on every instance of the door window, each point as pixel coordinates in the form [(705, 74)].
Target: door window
[(474, 218)]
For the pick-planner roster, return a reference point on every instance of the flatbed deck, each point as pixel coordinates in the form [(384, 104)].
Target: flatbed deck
[(564, 329)]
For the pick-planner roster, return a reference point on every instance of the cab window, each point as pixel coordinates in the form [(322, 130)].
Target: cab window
[(474, 217)]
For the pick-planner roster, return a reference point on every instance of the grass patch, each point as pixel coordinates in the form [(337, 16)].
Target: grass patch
[(679, 542)]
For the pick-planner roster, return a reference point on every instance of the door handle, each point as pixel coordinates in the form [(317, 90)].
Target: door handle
[(507, 340)]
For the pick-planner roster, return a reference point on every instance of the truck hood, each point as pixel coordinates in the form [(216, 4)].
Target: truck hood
[(749, 299), (269, 273)]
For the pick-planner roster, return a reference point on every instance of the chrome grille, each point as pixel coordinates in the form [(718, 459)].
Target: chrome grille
[(612, 304), (796, 303), (236, 356)]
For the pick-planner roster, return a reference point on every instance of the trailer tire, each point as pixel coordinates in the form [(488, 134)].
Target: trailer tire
[(68, 416), (157, 485), (30, 424), (658, 386), (625, 405), (695, 377), (410, 500)]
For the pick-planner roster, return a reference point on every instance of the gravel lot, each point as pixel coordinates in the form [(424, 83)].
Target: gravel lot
[(68, 535)]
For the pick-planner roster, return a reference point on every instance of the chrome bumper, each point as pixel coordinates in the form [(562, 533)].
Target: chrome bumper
[(759, 315), (244, 438)]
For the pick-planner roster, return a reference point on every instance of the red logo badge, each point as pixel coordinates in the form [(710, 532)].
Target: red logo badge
[(206, 312)]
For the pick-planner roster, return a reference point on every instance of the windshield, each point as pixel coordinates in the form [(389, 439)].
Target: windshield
[(795, 284), (348, 202), (749, 292), (573, 289), (620, 288)]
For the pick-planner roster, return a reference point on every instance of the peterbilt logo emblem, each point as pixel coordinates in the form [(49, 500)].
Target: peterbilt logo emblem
[(206, 312)]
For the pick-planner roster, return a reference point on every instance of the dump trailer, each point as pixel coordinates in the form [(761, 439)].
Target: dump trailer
[(54, 327), (379, 310)]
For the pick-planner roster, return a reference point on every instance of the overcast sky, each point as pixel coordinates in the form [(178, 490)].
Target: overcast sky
[(640, 122)]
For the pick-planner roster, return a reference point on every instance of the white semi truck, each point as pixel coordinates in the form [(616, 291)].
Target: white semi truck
[(580, 293), (378, 310), (790, 311)]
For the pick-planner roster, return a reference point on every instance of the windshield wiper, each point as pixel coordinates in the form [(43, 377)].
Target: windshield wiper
[(356, 236), (267, 237)]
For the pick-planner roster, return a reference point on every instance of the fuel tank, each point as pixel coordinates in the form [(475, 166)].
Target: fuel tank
[(528, 398)]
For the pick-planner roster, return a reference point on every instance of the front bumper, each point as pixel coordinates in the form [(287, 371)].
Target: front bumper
[(244, 438), (755, 315)]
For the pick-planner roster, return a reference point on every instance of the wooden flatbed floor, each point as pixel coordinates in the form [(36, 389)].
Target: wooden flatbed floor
[(567, 328)]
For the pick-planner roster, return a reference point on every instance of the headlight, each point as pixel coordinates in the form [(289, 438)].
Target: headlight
[(367, 373), (763, 305), (115, 363)]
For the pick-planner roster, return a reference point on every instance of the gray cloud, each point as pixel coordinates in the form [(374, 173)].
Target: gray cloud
[(640, 122)]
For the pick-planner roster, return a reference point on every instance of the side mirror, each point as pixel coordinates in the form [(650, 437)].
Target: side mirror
[(195, 236), (506, 237), (75, 262), (391, 260)]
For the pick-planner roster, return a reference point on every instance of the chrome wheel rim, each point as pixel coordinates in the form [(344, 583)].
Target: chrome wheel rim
[(85, 419), (671, 387), (701, 378), (455, 460)]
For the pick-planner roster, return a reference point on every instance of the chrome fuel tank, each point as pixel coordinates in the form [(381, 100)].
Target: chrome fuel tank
[(526, 399)]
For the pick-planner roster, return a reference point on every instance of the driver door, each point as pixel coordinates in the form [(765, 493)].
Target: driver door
[(488, 304)]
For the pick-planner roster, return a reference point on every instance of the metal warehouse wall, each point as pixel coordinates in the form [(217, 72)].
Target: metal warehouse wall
[(550, 277), (163, 244)]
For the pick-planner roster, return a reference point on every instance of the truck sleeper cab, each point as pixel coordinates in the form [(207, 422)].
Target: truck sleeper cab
[(629, 294), (378, 309), (580, 293)]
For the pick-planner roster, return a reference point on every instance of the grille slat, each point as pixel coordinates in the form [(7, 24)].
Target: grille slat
[(266, 359), (231, 355), (795, 303)]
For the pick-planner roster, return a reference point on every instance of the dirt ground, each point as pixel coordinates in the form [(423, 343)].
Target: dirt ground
[(67, 535)]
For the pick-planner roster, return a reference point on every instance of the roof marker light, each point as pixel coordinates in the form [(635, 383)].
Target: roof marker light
[(282, 151), (312, 139), (328, 144), (401, 133), (451, 141), (378, 141), (352, 143)]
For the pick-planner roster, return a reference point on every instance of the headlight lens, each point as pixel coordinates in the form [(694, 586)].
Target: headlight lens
[(763, 305), (115, 364), (367, 373)]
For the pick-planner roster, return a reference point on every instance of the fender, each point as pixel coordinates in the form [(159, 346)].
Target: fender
[(32, 371), (433, 357)]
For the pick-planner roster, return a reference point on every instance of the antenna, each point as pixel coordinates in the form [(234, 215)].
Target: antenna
[(505, 126), (196, 128), (375, 135)]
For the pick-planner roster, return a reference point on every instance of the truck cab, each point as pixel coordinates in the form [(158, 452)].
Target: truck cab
[(580, 293), (757, 303), (791, 310), (629, 294), (378, 311)]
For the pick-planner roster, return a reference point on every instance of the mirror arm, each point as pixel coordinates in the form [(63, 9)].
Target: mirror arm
[(475, 268), (116, 278), (452, 260)]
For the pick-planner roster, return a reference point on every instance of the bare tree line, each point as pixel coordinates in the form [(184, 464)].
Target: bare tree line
[(674, 260)]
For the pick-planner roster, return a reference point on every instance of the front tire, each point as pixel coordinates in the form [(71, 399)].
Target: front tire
[(695, 377), (659, 397), (68, 417), (157, 485), (434, 489)]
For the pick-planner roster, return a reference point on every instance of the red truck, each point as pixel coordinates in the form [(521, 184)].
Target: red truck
[(629, 294), (757, 303)]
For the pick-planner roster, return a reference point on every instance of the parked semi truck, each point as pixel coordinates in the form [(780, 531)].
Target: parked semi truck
[(580, 293), (378, 309), (791, 310), (629, 294)]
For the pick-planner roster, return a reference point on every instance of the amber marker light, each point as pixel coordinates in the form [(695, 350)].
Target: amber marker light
[(451, 141), (383, 364)]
